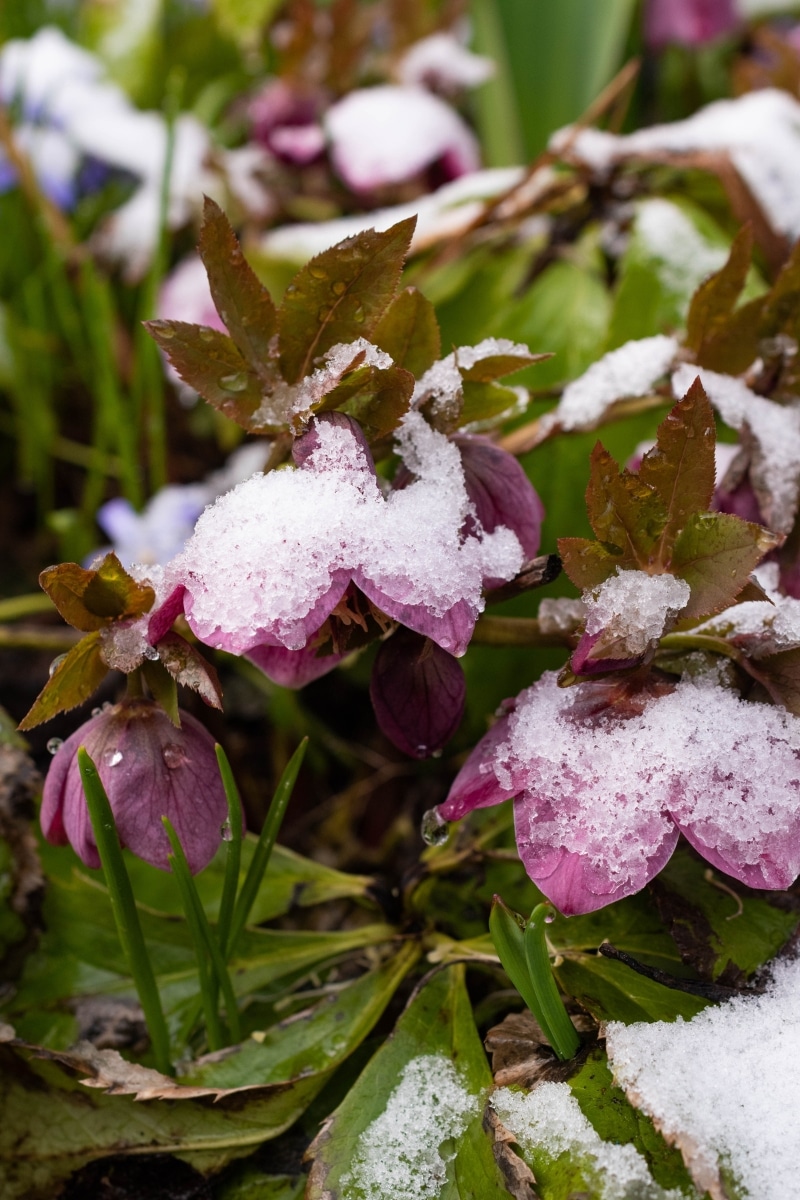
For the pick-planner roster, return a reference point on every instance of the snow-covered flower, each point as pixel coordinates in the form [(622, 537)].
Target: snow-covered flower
[(149, 768), (606, 775)]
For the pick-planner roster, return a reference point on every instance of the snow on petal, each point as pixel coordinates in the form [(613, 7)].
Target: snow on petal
[(388, 134)]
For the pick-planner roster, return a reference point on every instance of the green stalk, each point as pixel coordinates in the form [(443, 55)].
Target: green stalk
[(25, 606), (233, 858), (562, 1034), (263, 850), (201, 936), (123, 907)]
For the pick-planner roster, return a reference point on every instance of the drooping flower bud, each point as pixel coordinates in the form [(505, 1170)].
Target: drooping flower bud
[(149, 768)]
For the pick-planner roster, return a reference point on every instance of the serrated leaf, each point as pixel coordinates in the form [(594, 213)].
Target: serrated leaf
[(734, 346), (340, 295), (378, 399), (89, 599), (76, 677), (715, 554), (495, 366), (485, 401), (623, 511), (781, 313), (163, 688), (242, 301), (587, 564), (780, 675), (187, 667), (681, 467), (210, 363), (716, 296), (409, 332)]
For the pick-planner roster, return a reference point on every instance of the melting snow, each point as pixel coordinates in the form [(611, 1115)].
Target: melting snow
[(726, 1082), (549, 1119), (400, 1155), (635, 606)]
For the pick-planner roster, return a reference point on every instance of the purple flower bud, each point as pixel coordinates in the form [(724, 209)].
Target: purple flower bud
[(418, 692), (149, 769), (501, 492), (688, 22)]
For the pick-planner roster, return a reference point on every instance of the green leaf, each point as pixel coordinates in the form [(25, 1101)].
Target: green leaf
[(189, 668), (435, 1037), (611, 991), (486, 401), (623, 511), (377, 399), (163, 688), (717, 921), (245, 20), (76, 677), (241, 300), (715, 554), (340, 295), (680, 468), (89, 599), (210, 363), (716, 297), (409, 332)]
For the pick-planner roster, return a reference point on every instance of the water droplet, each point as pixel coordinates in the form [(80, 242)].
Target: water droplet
[(166, 331), (422, 750), (436, 754), (206, 334), (151, 653), (434, 828), (174, 755), (112, 758), (317, 272), (359, 315), (55, 664), (549, 917), (96, 711), (54, 745), (225, 831), (339, 288), (234, 383)]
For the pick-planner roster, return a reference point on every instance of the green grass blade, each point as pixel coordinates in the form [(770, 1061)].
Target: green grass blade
[(562, 1034), (233, 857)]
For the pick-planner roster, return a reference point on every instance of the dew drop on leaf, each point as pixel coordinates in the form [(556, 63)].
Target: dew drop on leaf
[(234, 383), (206, 334), (151, 652), (55, 664), (434, 829), (225, 831), (339, 288), (54, 745)]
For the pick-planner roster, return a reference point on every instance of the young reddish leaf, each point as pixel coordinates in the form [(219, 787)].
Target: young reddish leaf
[(241, 300), (210, 363), (74, 680), (734, 346), (163, 688), (89, 599), (781, 313), (188, 667), (623, 511), (587, 564), (495, 366), (715, 554), (681, 466), (377, 399), (340, 295), (409, 332), (716, 297), (780, 675)]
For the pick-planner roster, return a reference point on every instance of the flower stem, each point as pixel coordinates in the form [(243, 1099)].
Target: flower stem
[(515, 631), (204, 942), (25, 606), (266, 841), (234, 856), (123, 906)]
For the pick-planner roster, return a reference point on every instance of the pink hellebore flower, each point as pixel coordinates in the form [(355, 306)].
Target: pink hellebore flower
[(605, 778), (688, 22), (149, 768)]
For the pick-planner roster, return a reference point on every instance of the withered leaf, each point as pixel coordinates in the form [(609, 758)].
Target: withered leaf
[(89, 599), (187, 666), (76, 677), (340, 295), (241, 300)]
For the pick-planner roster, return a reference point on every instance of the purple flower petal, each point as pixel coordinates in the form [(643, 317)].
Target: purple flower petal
[(293, 668), (570, 879), (501, 492), (163, 618), (308, 442), (452, 631), (688, 22), (149, 769), (476, 785), (418, 692)]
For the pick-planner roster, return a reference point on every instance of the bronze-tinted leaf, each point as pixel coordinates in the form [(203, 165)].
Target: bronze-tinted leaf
[(623, 511), (588, 564), (409, 331), (377, 399), (734, 346), (780, 675), (163, 688), (495, 366), (241, 300), (210, 363), (715, 554), (716, 296), (188, 667), (89, 599), (74, 680), (681, 466), (340, 295)]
